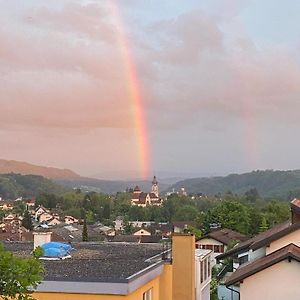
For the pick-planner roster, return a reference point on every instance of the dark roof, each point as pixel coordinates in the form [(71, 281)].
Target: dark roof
[(262, 239), (289, 251), (182, 224), (124, 238), (99, 262), (137, 189), (225, 236), (135, 238)]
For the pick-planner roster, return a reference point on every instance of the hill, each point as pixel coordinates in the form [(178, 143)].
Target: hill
[(269, 183), (110, 186), (24, 168), (13, 186)]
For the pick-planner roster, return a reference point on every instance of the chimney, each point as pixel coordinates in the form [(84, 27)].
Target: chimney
[(295, 210), (183, 251), (41, 237)]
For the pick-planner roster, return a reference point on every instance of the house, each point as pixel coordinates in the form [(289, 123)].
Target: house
[(119, 222), (133, 271), (142, 199), (9, 218), (269, 263), (6, 205), (181, 226), (70, 220), (30, 206), (218, 240), (142, 232), (40, 210), (53, 222), (45, 217)]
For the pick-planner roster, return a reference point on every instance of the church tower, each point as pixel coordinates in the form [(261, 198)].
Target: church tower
[(154, 186)]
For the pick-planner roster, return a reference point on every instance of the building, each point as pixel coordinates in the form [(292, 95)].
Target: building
[(114, 271), (269, 263), (219, 240), (142, 232), (70, 220), (140, 198)]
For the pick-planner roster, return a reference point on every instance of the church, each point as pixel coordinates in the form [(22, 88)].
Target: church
[(142, 199)]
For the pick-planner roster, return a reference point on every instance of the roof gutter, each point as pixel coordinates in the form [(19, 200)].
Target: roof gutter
[(235, 291)]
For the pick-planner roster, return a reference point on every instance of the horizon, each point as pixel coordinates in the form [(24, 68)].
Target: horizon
[(122, 89)]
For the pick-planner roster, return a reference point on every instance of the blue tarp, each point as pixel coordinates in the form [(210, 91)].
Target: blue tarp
[(58, 245), (56, 249), (55, 252)]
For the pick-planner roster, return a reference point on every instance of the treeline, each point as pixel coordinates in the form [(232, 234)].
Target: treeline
[(269, 183), (13, 186), (248, 214)]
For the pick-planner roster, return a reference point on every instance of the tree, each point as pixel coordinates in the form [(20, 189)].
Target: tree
[(19, 276), (232, 215), (27, 222), (263, 225), (85, 236)]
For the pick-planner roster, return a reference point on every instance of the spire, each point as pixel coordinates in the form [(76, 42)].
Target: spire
[(154, 181), (154, 186)]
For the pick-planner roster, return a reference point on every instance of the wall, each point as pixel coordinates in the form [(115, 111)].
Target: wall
[(165, 284), (183, 251), (293, 237), (207, 241), (278, 282), (137, 295), (258, 253)]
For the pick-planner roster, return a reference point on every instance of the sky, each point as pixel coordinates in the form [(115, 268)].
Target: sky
[(132, 88)]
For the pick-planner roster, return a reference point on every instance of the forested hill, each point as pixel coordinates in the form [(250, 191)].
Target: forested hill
[(24, 168), (269, 183), (13, 186)]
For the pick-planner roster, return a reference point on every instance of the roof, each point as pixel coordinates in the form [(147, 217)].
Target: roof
[(140, 198), (182, 224), (290, 251), (95, 262), (225, 236), (262, 239)]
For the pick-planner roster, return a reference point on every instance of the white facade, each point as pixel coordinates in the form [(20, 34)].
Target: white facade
[(203, 267)]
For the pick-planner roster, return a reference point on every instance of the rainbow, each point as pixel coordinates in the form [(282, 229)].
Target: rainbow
[(134, 93)]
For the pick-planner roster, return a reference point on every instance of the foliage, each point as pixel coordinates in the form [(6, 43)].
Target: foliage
[(19, 276), (13, 186), (85, 236), (269, 183), (195, 231), (27, 222), (231, 214)]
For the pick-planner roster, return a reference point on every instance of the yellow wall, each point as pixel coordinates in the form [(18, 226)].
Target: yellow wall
[(161, 289), (183, 251), (165, 291)]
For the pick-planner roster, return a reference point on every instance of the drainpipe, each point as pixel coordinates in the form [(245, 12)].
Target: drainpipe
[(233, 290)]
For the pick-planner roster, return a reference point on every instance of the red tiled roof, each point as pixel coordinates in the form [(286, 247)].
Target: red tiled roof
[(290, 251)]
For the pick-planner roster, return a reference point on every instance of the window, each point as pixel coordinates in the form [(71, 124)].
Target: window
[(243, 259), (205, 269), (201, 271), (148, 295), (208, 266)]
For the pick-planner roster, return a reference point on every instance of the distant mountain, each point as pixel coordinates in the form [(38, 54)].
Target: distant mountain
[(110, 186), (269, 183), (13, 186), (24, 168)]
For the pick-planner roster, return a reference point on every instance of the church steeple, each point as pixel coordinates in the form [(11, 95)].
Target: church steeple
[(154, 186)]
